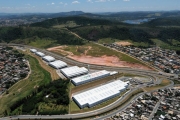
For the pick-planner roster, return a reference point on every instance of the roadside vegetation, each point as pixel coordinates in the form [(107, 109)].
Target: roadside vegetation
[(176, 82), (52, 71), (164, 83)]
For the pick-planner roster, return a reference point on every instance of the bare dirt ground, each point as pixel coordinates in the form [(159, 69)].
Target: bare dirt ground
[(124, 43), (102, 60), (60, 49), (107, 61)]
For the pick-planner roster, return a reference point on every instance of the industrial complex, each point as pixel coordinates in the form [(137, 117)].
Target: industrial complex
[(33, 50), (90, 77), (79, 75), (99, 94), (58, 64), (48, 58), (74, 71), (40, 54)]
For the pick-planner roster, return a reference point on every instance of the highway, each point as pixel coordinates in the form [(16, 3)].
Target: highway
[(152, 74)]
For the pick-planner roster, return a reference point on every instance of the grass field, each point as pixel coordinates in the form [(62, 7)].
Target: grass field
[(166, 45), (108, 40), (42, 43), (51, 70), (162, 84), (38, 77), (141, 44)]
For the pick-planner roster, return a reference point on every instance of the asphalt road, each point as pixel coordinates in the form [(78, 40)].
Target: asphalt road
[(152, 74), (155, 109)]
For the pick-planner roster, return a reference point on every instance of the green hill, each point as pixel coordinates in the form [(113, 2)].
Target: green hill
[(83, 21), (26, 35), (58, 31), (165, 22)]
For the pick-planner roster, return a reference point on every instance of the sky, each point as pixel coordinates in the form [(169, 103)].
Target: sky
[(55, 6)]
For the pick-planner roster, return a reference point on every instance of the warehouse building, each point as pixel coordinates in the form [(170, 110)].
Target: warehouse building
[(90, 77), (33, 50), (99, 94), (58, 64), (48, 59), (40, 54), (74, 71)]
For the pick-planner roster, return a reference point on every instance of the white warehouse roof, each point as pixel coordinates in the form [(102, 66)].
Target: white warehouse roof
[(48, 58), (40, 54), (90, 77), (99, 94), (74, 71), (33, 50), (58, 64)]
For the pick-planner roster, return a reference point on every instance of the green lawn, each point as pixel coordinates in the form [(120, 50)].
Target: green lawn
[(140, 44), (24, 88), (42, 43), (108, 40)]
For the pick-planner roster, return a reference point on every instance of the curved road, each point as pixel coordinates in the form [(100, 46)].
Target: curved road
[(151, 74)]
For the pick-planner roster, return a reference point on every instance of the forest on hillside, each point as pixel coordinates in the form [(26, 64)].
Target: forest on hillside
[(166, 30), (8, 34)]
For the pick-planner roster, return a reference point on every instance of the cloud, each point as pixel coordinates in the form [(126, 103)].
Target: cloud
[(90, 1), (75, 2), (101, 1), (28, 4), (52, 3), (61, 3), (126, 0), (65, 4)]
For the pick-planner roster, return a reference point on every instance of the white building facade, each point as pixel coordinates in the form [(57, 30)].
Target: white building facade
[(48, 58), (58, 64), (90, 77), (99, 94), (74, 71)]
